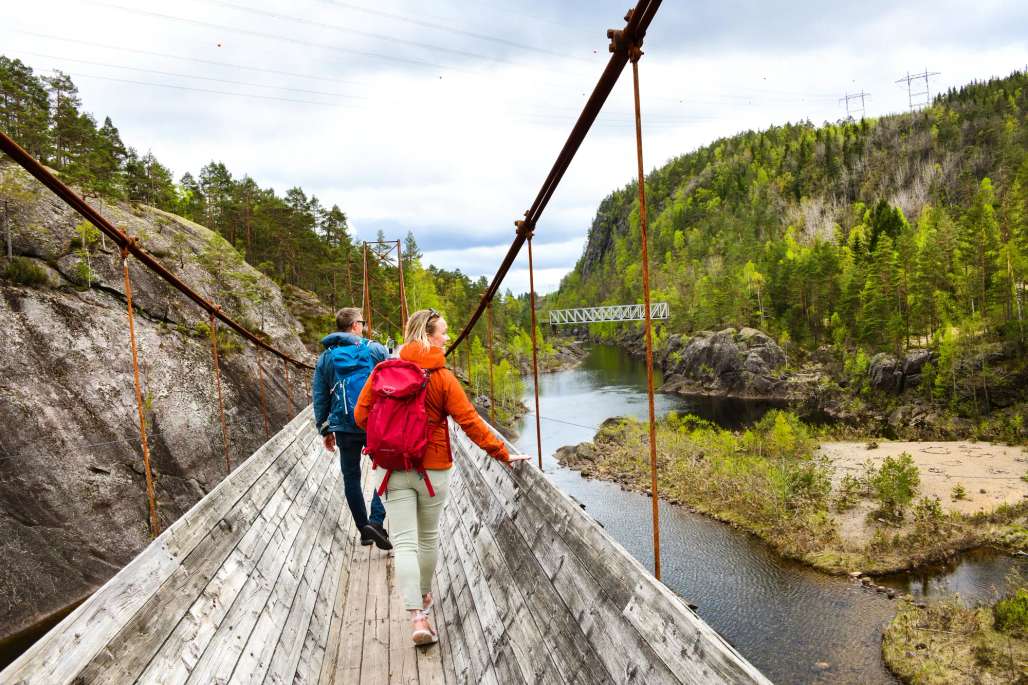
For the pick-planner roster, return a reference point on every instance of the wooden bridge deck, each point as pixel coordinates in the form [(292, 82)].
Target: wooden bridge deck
[(264, 581)]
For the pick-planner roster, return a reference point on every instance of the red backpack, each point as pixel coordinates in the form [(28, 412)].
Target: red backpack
[(398, 423)]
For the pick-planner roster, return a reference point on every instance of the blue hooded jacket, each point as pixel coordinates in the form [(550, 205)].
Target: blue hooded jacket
[(346, 355)]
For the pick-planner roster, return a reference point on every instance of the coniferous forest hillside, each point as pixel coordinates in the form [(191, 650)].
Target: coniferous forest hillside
[(850, 239)]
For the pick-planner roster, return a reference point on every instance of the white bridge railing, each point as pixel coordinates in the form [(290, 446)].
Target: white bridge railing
[(616, 312)]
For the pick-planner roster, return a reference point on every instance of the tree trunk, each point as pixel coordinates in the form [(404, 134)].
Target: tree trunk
[(7, 231)]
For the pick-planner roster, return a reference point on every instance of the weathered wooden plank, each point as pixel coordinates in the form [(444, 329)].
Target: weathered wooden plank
[(313, 653), (574, 655), (63, 652), (557, 529), (330, 660), (222, 653), (491, 629), (526, 640), (133, 647), (277, 620), (435, 667), (447, 611), (180, 652), (403, 656), (375, 661), (625, 652), (351, 650), (474, 641), (685, 643)]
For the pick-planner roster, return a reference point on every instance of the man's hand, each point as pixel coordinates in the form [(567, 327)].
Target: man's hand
[(330, 442)]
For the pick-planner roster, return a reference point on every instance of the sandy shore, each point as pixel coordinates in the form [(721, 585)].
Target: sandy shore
[(990, 473)]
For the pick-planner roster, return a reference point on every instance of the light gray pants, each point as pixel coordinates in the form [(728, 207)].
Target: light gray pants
[(414, 528)]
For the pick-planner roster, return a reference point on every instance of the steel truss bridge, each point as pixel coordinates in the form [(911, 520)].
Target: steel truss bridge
[(615, 312)]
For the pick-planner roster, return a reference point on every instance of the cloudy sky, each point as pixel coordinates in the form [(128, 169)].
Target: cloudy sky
[(444, 117)]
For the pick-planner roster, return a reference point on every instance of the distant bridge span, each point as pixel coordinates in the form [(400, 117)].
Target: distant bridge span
[(615, 312)]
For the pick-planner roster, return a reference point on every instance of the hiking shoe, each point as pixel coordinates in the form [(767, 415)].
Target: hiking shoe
[(374, 532), (365, 540), (422, 631)]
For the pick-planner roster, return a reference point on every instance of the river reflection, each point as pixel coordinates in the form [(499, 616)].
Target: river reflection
[(795, 624)]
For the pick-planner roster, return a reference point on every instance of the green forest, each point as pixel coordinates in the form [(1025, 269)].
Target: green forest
[(875, 235), (293, 238)]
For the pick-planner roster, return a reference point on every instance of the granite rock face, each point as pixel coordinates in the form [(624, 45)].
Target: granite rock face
[(73, 506)]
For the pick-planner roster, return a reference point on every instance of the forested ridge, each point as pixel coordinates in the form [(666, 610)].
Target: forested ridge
[(875, 235)]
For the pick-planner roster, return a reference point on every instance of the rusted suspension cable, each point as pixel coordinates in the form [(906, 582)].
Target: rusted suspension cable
[(366, 304), (217, 383), (307, 386), (635, 53), (535, 352), (126, 242), (404, 313), (151, 495), (489, 347), (260, 393), (637, 21), (289, 390)]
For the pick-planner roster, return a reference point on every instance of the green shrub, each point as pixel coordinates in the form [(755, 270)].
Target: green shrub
[(779, 435), (958, 492), (849, 492), (807, 484), (928, 514), (1011, 614), (895, 484), (83, 273), (24, 271)]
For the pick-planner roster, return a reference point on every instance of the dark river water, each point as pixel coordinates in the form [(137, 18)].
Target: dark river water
[(782, 616)]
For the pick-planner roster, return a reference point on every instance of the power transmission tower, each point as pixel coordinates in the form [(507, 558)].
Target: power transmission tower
[(855, 96), (911, 94)]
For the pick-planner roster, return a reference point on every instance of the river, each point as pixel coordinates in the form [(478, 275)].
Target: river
[(786, 618)]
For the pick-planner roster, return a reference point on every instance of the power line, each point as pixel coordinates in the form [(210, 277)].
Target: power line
[(855, 96), (344, 29), (449, 29), (190, 76), (273, 36), (195, 60), (911, 95), (204, 90)]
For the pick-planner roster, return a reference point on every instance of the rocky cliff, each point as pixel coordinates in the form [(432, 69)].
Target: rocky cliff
[(73, 505)]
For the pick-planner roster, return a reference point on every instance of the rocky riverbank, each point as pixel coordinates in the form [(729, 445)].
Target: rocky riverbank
[(805, 502), (882, 394)]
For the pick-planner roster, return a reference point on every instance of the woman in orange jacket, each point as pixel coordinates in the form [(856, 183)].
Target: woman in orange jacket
[(413, 513)]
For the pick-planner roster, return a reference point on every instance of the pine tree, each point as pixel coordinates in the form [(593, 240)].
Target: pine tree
[(25, 108), (64, 122), (977, 245)]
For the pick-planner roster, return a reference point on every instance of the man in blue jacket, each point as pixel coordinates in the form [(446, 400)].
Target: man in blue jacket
[(341, 372)]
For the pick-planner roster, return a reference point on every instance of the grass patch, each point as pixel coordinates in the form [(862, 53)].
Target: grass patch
[(951, 643), (24, 271)]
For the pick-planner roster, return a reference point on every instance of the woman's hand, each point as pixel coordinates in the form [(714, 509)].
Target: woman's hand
[(514, 458)]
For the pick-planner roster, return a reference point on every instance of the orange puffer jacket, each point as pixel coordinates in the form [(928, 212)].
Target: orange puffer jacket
[(444, 397)]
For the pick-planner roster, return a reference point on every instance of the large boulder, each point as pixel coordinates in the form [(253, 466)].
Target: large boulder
[(743, 363)]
